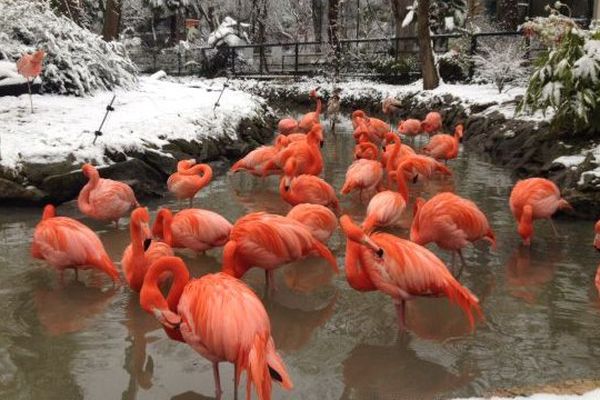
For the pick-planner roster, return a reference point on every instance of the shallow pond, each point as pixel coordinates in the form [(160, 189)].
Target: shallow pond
[(87, 340)]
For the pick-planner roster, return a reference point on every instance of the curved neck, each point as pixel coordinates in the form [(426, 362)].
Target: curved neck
[(394, 153), (355, 275), (162, 226), (402, 186), (204, 170), (83, 201), (370, 149), (49, 212), (319, 105), (137, 252), (232, 265), (151, 297)]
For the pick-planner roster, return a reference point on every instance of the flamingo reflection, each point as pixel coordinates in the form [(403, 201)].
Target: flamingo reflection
[(529, 270)]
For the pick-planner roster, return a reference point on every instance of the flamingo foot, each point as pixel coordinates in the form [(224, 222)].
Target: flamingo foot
[(218, 390)]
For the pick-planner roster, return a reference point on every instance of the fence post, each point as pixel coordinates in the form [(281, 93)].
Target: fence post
[(232, 53), (397, 48), (260, 55), (179, 60), (296, 58), (472, 51)]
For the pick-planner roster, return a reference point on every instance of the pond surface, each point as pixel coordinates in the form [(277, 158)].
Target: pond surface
[(87, 340)]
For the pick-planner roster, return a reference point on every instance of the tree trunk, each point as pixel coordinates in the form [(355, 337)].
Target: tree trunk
[(317, 18), (399, 11), (262, 18), (334, 39), (112, 20), (429, 72)]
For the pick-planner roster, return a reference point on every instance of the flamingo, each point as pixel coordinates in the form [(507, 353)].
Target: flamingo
[(30, 66), (432, 122), (189, 179), (450, 221), (220, 318), (390, 107), (287, 126), (191, 228), (364, 128), (66, 243), (597, 247), (384, 209), (319, 220), (367, 150), (401, 269), (268, 241), (535, 198), (305, 188), (105, 199), (333, 109), (363, 174), (255, 161), (306, 152), (410, 127), (394, 151), (375, 125), (312, 118), (296, 137), (419, 166), (142, 251), (444, 147)]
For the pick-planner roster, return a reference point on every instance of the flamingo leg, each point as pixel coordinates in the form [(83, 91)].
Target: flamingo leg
[(270, 280), (401, 313), (76, 274), (191, 202), (30, 98), (236, 382), (553, 227), (116, 224), (463, 263), (218, 390)]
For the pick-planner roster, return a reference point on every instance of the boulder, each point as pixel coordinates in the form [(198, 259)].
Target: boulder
[(12, 193)]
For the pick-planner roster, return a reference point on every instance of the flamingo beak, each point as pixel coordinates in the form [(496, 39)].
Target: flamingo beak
[(287, 182), (147, 243), (373, 246), (322, 143)]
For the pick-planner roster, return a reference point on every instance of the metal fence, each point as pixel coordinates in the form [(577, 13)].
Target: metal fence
[(357, 57)]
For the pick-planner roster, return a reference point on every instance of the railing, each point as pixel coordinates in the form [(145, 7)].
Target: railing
[(310, 57)]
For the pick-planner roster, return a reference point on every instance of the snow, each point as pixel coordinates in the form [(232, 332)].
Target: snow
[(593, 395), (570, 161), (10, 76), (144, 118), (226, 33)]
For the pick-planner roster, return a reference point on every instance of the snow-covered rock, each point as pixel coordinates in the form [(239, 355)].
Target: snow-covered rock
[(144, 119), (78, 61), (226, 33), (593, 395)]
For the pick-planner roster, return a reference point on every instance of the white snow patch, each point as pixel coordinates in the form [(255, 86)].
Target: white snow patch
[(146, 117), (593, 395), (10, 76), (570, 161)]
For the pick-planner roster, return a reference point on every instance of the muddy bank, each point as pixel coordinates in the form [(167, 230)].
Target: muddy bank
[(146, 171), (527, 146)]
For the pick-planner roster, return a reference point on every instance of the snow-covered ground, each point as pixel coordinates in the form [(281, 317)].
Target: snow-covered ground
[(471, 94), (146, 117), (593, 395), (573, 161)]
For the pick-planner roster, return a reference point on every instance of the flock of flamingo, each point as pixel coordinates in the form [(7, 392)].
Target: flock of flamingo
[(218, 315)]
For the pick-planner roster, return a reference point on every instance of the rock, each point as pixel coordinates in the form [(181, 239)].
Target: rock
[(37, 172), (15, 194)]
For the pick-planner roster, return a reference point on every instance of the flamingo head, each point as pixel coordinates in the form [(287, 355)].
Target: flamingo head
[(89, 170), (459, 131), (525, 228), (141, 218), (38, 56), (596, 238), (185, 164), (358, 114), (313, 93), (354, 233)]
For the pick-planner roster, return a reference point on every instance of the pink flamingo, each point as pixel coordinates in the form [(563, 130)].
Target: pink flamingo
[(268, 241), (66, 243), (312, 118), (394, 151), (296, 137), (401, 269), (362, 175), (30, 66), (444, 147), (319, 220), (105, 199), (305, 188), (432, 122), (421, 167), (192, 228), (189, 179), (287, 126), (307, 154), (142, 251), (376, 127), (450, 221), (220, 318), (365, 149), (410, 127), (384, 210), (255, 161), (535, 198)]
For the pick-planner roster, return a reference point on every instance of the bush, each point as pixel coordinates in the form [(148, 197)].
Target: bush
[(566, 78), (454, 66), (503, 64), (392, 70), (78, 62)]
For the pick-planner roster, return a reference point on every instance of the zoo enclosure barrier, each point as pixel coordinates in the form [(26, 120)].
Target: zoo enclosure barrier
[(357, 57)]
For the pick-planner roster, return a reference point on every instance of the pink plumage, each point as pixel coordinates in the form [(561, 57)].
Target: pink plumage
[(319, 220)]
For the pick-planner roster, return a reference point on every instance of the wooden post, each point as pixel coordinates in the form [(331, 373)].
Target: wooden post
[(296, 58)]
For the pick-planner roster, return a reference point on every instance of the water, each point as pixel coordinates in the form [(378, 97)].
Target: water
[(88, 340)]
